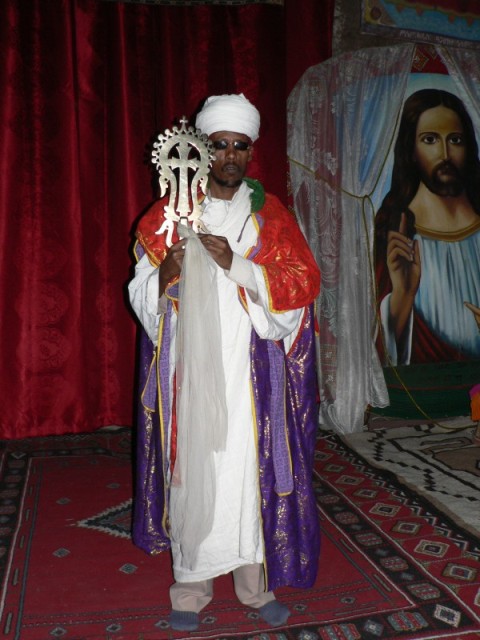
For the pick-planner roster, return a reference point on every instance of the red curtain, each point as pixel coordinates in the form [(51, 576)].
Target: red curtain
[(85, 86)]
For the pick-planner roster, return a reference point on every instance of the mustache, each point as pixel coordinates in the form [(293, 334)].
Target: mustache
[(447, 165)]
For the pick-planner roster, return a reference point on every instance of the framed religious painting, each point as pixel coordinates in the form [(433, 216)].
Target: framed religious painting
[(427, 244)]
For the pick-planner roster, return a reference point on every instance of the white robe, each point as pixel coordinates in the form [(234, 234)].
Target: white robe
[(450, 277), (236, 536)]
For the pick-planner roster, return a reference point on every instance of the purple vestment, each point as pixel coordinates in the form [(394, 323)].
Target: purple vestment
[(286, 409)]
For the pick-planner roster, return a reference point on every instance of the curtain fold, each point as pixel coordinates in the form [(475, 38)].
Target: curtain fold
[(86, 85), (342, 117), (463, 67)]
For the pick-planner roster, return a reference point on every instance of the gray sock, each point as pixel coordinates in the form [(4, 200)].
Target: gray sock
[(184, 620), (274, 613)]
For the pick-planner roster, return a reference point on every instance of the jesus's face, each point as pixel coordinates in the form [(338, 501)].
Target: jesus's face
[(440, 151)]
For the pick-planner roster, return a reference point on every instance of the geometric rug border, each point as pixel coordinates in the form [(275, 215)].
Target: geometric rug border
[(442, 614), (427, 475), (393, 481), (437, 618)]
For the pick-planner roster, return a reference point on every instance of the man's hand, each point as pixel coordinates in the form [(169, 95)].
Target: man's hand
[(172, 265), (403, 262), (219, 249)]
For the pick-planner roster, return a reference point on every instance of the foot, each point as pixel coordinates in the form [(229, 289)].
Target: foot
[(184, 620), (274, 613)]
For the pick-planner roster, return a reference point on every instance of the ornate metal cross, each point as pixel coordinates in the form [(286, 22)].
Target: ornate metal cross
[(182, 158)]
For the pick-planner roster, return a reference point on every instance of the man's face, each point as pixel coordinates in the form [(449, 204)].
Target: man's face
[(233, 151), (440, 151)]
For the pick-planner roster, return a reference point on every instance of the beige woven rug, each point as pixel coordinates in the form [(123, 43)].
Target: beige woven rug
[(439, 461)]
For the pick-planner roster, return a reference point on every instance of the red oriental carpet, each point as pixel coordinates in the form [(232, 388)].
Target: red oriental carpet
[(392, 565)]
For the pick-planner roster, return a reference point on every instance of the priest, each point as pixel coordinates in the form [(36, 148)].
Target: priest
[(228, 401)]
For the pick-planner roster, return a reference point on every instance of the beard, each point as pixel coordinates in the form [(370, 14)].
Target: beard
[(232, 184), (232, 176), (444, 180)]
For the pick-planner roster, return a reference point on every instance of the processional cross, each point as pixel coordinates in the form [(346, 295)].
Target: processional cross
[(182, 158)]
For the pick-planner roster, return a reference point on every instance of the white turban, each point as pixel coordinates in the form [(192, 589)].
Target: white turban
[(229, 113)]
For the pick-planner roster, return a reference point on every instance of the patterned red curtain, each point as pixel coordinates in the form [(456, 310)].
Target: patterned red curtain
[(85, 86)]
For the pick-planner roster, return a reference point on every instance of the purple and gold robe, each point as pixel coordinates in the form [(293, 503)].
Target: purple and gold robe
[(285, 403)]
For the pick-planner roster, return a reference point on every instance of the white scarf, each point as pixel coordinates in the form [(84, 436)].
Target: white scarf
[(201, 405)]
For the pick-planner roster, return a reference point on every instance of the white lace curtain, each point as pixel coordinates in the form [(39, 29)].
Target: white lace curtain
[(342, 120)]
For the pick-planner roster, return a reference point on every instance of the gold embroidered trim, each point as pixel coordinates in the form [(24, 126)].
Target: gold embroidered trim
[(449, 236)]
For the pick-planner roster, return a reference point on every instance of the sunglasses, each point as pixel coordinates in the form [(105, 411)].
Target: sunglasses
[(238, 145)]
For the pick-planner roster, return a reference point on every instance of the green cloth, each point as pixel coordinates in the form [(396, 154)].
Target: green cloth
[(436, 390)]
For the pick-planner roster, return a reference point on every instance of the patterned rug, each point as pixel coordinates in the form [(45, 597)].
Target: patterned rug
[(392, 564), (439, 461)]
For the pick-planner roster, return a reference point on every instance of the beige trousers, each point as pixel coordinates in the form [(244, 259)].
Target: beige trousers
[(248, 581)]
